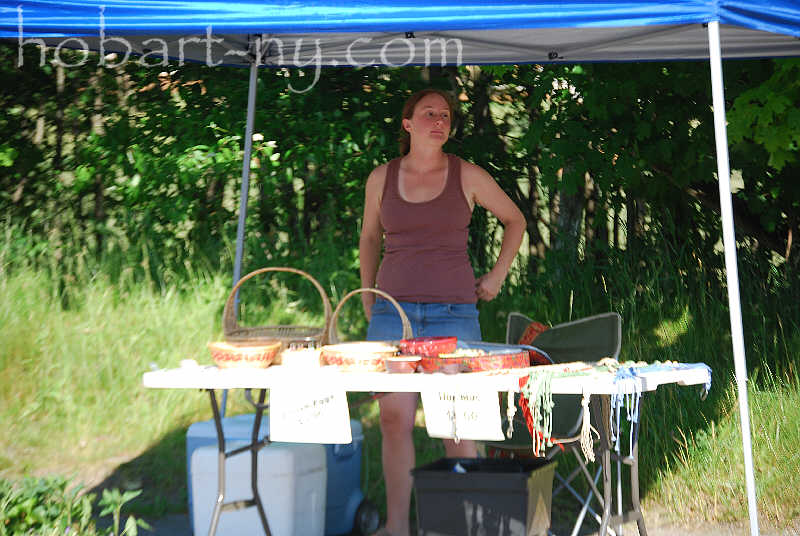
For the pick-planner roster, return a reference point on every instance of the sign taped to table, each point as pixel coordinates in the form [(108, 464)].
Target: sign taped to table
[(462, 414), (309, 413)]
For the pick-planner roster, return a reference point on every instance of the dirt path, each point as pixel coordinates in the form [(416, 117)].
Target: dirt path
[(657, 525)]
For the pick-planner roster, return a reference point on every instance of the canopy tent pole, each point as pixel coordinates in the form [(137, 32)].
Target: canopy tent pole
[(731, 270), (248, 146), (243, 195)]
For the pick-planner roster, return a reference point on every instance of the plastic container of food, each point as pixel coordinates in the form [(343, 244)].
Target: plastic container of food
[(448, 365), (402, 364), (451, 365), (498, 360), (476, 360), (430, 364), (428, 346)]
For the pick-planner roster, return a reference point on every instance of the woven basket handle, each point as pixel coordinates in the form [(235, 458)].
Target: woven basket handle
[(333, 337), (229, 322)]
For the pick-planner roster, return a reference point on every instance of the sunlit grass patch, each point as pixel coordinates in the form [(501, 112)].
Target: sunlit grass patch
[(671, 329), (76, 403), (705, 479)]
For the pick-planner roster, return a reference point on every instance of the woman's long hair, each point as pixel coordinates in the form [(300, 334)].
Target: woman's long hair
[(404, 139)]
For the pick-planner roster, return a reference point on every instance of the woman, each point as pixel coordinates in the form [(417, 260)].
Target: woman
[(422, 203)]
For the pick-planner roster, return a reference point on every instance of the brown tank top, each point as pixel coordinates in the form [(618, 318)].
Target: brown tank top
[(425, 244)]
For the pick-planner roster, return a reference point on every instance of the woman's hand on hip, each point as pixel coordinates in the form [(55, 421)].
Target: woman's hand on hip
[(488, 286), (368, 300)]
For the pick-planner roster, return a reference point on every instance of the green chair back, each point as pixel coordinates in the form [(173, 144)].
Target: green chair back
[(587, 339)]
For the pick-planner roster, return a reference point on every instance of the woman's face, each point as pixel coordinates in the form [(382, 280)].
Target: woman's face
[(430, 120)]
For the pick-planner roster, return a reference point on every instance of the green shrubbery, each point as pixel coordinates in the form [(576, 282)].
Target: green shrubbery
[(51, 506)]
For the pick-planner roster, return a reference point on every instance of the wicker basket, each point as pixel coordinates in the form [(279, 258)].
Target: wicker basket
[(361, 356), (333, 336), (234, 355), (287, 335)]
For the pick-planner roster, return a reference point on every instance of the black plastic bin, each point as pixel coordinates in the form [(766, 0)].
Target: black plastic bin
[(466, 497)]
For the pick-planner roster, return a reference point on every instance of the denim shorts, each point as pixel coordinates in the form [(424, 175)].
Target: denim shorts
[(427, 320)]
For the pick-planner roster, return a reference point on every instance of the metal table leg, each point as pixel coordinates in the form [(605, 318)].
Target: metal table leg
[(608, 453), (606, 462), (222, 456), (602, 406), (254, 456), (637, 508)]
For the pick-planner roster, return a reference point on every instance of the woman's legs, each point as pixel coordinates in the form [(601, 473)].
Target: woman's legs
[(397, 423), (399, 409), (466, 448)]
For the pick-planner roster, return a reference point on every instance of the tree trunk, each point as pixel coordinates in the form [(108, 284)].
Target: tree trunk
[(209, 206), (555, 208), (484, 128), (98, 128), (636, 210), (598, 226), (617, 218), (99, 211), (568, 222), (289, 202), (266, 211), (589, 195), (536, 245), (59, 117)]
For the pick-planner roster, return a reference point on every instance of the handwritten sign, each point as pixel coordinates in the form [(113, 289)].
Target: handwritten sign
[(462, 414), (309, 413)]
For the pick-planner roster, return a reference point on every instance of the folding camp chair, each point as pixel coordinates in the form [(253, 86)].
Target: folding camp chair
[(587, 339)]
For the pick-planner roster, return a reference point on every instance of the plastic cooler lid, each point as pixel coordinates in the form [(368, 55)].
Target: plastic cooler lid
[(278, 459), (241, 426), (235, 427)]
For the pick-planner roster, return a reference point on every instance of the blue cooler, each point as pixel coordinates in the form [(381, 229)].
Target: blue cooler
[(344, 495), (345, 505)]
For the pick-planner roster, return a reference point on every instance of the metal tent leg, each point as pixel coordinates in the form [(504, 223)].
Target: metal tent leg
[(731, 270), (245, 191)]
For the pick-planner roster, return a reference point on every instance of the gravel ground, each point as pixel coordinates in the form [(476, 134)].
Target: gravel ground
[(178, 525)]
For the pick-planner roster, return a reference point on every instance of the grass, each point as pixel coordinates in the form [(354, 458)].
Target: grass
[(76, 400), (76, 405), (704, 481), (72, 402)]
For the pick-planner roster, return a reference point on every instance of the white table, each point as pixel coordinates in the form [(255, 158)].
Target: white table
[(210, 378)]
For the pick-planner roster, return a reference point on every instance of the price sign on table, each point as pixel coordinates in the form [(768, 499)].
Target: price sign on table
[(462, 414), (303, 412)]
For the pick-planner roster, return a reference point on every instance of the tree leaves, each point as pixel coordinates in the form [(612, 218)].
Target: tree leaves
[(167, 167), (768, 115)]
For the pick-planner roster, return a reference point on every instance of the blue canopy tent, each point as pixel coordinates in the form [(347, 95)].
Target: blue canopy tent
[(317, 33)]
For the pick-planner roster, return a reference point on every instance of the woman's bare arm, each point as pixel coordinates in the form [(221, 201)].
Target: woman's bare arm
[(371, 239), (481, 188)]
